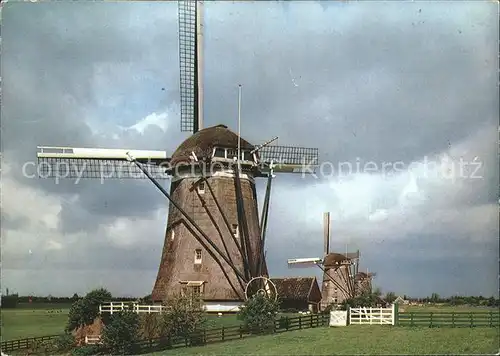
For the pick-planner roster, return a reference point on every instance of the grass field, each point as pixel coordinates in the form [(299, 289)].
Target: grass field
[(31, 320), (28, 321), (41, 320), (356, 340)]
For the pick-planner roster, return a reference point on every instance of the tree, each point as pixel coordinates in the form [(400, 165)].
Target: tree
[(434, 298), (183, 316), (150, 326), (85, 310), (367, 299), (390, 297), (259, 313), (121, 333)]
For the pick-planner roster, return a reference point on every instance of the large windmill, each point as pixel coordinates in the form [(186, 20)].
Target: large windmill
[(215, 239), (341, 277)]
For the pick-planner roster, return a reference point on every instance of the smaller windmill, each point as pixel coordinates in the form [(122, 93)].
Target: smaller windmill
[(341, 278)]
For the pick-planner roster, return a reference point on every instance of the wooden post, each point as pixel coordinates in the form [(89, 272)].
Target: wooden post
[(491, 319), (452, 319), (311, 321), (222, 332), (471, 320), (411, 319), (287, 323), (431, 321), (241, 332), (300, 321)]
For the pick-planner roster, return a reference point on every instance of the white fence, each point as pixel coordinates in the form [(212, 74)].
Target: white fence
[(372, 316), (117, 307), (93, 339), (210, 307)]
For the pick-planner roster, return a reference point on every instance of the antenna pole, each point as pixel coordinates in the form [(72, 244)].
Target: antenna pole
[(239, 125)]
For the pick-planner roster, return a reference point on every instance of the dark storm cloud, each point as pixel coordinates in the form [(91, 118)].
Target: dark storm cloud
[(395, 86), (50, 54)]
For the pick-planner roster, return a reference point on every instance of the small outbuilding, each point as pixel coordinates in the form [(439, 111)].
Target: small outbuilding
[(299, 293)]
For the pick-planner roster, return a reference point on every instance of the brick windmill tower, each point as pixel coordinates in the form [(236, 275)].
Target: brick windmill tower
[(214, 243)]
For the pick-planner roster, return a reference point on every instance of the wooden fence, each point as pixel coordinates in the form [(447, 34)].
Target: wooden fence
[(450, 319), (22, 344), (201, 337)]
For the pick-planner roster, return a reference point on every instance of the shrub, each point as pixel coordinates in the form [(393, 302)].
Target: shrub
[(258, 314), (283, 322), (121, 333), (88, 350), (184, 316), (85, 310), (64, 342)]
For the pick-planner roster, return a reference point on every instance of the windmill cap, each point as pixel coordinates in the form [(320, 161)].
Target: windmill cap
[(203, 142)]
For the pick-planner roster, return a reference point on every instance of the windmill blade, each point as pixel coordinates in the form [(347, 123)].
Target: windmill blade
[(290, 159), (188, 61), (98, 163), (303, 262)]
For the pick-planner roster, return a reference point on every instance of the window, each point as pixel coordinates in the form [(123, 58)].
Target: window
[(192, 288), (235, 230), (220, 152), (197, 256), (231, 153), (247, 156), (201, 187), (196, 290)]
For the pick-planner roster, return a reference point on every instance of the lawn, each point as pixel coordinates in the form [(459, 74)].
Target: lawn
[(355, 340), (32, 320), (42, 320)]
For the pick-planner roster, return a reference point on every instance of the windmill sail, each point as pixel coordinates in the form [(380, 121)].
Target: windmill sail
[(77, 163), (190, 60), (290, 159)]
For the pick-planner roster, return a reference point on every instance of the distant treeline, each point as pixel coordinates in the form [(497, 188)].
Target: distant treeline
[(459, 300), (12, 301)]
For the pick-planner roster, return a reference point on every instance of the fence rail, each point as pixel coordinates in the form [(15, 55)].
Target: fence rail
[(372, 316), (22, 344), (450, 319)]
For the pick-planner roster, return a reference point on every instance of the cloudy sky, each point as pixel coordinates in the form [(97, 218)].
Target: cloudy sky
[(403, 93)]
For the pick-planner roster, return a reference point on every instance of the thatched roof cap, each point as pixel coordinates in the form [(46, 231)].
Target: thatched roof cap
[(333, 259), (296, 288), (203, 142)]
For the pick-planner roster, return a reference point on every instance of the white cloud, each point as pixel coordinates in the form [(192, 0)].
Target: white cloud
[(154, 119)]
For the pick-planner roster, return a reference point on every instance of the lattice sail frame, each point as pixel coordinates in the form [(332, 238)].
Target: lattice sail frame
[(187, 11), (83, 163)]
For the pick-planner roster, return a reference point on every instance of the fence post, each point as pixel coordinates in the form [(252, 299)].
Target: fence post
[(411, 319), (311, 321), (395, 314), (431, 321), (491, 319), (452, 319), (222, 332), (471, 320), (300, 321), (287, 322), (241, 332)]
